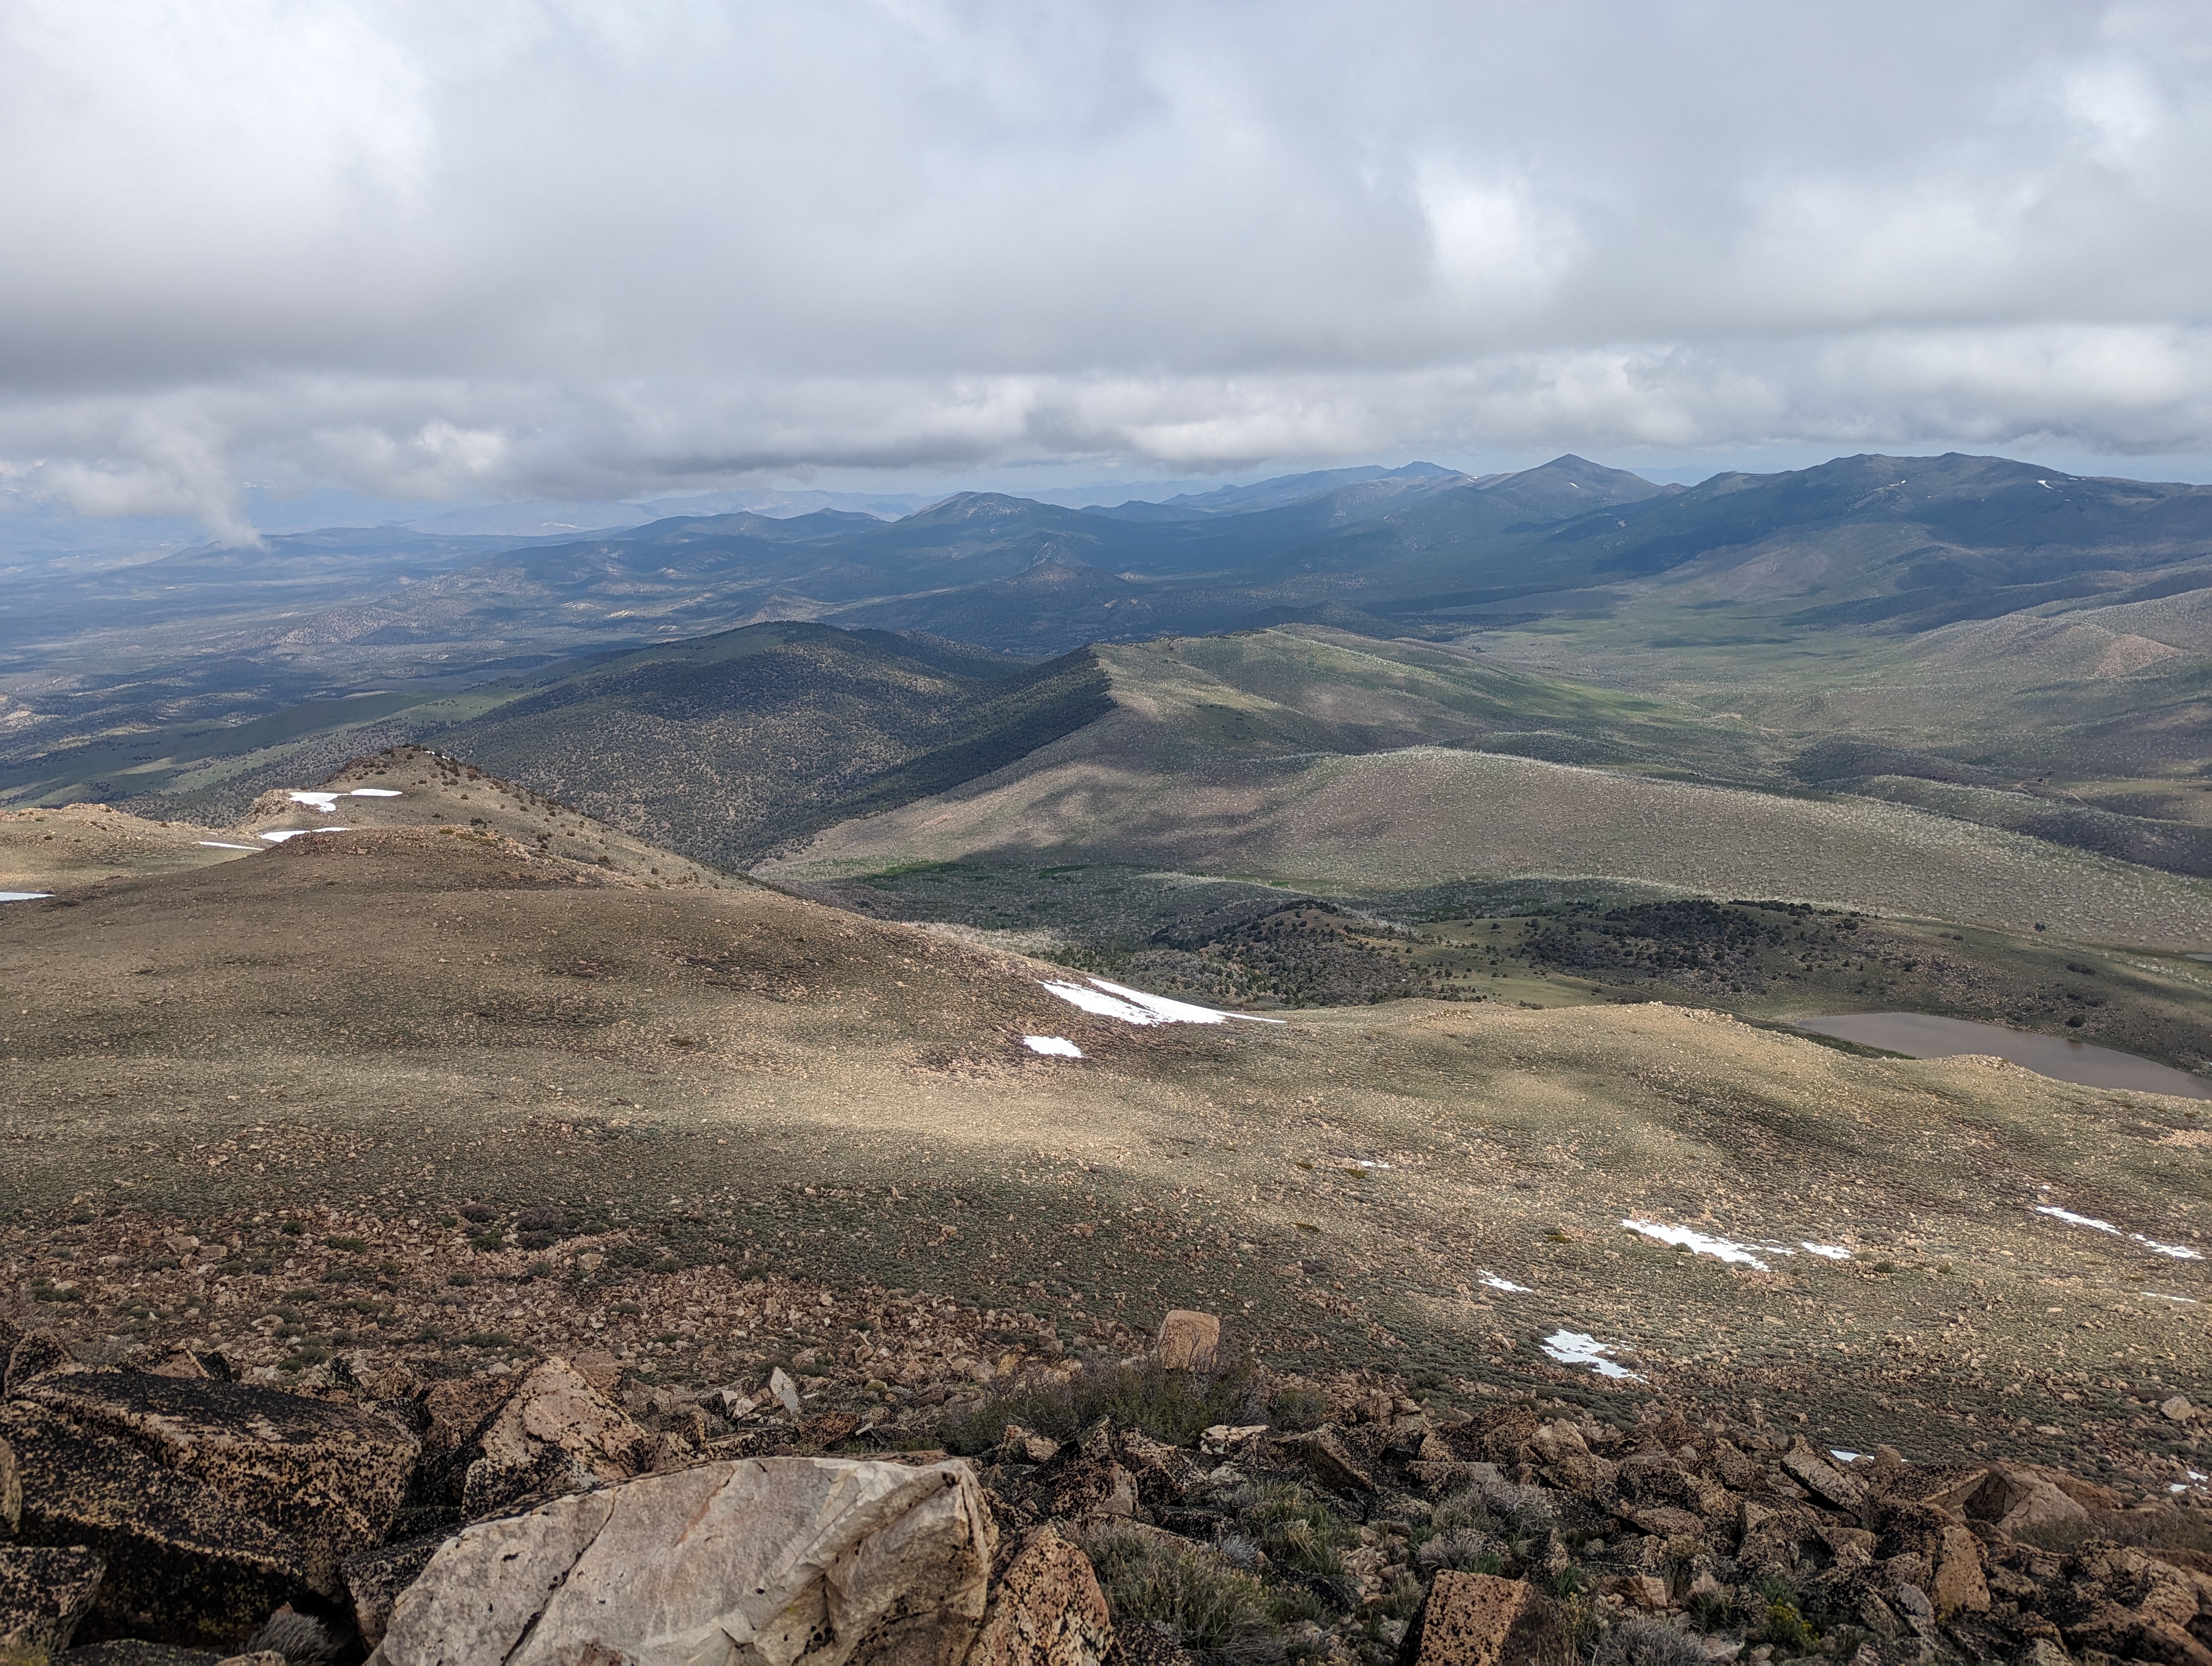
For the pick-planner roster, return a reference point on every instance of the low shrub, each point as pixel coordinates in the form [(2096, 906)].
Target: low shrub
[(1173, 1406), (1787, 1628), (1713, 1609), (2148, 1529), (1295, 1406)]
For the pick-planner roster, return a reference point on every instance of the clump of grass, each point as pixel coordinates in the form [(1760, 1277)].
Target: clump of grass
[(1496, 1507), (1640, 1642), (1192, 1598), (1713, 1609), (1296, 1530), (1295, 1406), (1173, 1406), (1461, 1550)]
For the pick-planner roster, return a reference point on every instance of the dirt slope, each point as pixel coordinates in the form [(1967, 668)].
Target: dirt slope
[(399, 1022), (82, 844)]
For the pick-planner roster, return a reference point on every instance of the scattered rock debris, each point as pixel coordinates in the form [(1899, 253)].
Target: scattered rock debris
[(1151, 1503)]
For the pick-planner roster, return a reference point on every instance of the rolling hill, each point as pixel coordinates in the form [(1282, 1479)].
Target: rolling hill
[(358, 1030), (1295, 758)]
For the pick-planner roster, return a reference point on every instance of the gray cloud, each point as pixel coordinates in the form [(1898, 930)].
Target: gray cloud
[(424, 251)]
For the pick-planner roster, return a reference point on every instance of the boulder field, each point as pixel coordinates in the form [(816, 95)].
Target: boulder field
[(561, 1515)]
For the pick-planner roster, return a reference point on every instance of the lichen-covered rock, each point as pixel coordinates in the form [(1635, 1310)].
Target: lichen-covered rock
[(2013, 1498), (44, 1594), (555, 1433), (455, 1408), (1092, 1487), (1020, 1445), (1583, 1473), (1324, 1452), (1046, 1610), (1821, 1478), (211, 1502), (1959, 1582), (1477, 1619), (1164, 1475), (374, 1579), (766, 1559), (35, 1355)]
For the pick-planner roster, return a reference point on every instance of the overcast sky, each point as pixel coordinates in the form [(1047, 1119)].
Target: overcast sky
[(462, 252)]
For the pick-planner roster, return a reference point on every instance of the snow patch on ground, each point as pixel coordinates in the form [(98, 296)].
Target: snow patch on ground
[(325, 802), (22, 895), (2068, 1215), (375, 792), (1494, 1282), (2160, 1295), (1096, 1001), (295, 832), (1053, 1047), (1847, 1457), (221, 844), (1115, 1000), (1704, 1244), (1825, 1251), (2177, 1251), (1572, 1347)]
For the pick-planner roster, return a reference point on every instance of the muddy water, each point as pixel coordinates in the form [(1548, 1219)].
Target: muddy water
[(1926, 1036)]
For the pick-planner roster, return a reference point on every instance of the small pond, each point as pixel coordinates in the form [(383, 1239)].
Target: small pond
[(1924, 1036)]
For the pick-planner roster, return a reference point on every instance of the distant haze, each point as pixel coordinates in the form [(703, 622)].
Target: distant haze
[(427, 255)]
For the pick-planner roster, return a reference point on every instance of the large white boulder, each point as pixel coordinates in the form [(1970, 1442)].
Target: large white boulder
[(759, 1562)]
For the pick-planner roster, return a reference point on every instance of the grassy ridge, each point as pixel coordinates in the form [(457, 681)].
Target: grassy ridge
[(765, 734)]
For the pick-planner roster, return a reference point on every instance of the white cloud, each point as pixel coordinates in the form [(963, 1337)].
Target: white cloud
[(428, 251)]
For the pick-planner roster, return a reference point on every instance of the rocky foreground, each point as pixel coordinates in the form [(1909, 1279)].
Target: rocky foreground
[(1176, 1505)]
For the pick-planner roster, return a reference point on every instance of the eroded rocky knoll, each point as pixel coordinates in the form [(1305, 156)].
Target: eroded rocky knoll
[(1172, 1506)]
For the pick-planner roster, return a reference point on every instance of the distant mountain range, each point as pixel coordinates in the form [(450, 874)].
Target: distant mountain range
[(1865, 543), (1933, 631)]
